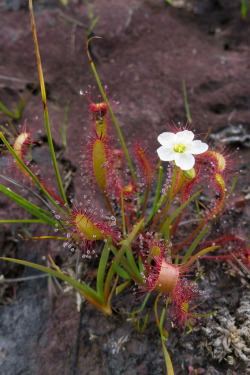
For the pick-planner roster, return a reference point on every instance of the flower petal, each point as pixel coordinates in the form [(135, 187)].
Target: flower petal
[(166, 139), (197, 147), (185, 137), (184, 161), (166, 154)]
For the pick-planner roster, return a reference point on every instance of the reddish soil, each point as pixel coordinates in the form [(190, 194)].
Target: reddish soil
[(147, 49)]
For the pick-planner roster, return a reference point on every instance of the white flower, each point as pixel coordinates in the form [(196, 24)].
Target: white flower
[(179, 148)]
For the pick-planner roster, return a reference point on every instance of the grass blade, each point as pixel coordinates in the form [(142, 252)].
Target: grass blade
[(64, 125), (169, 366), (181, 208), (33, 177), (125, 244), (186, 101), (44, 98), (83, 288), (17, 111), (194, 245), (200, 253), (32, 221), (123, 274), (101, 269), (91, 27), (28, 206)]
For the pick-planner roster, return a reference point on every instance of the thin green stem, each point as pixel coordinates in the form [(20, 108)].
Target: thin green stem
[(157, 195), (123, 217), (244, 9), (6, 132), (186, 101), (22, 221), (91, 27), (44, 98), (64, 126), (143, 304), (7, 112), (145, 200), (163, 313), (110, 111), (170, 194), (118, 258), (101, 269), (42, 238), (194, 245)]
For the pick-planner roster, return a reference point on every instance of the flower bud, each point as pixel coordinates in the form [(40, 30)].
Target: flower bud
[(190, 174), (98, 109)]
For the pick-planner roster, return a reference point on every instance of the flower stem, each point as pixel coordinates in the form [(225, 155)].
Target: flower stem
[(170, 195), (110, 111), (157, 195), (145, 200), (123, 217)]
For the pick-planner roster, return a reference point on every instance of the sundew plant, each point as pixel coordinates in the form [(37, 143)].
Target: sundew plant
[(146, 197)]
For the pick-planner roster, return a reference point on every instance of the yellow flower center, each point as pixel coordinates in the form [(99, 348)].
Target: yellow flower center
[(180, 148)]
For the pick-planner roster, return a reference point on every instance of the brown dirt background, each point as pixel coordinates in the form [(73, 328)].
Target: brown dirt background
[(146, 50)]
